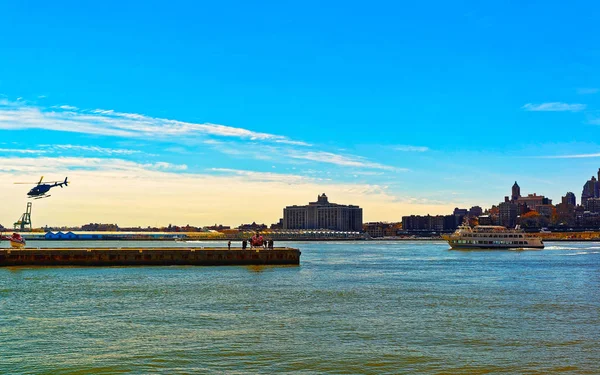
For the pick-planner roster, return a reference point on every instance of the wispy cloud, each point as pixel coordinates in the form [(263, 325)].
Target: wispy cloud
[(409, 148), (19, 115), (341, 160), (265, 176), (237, 142), (594, 121), (554, 107), (574, 156), (49, 149), (21, 151), (587, 91), (64, 164), (272, 152), (294, 143), (96, 149), (66, 107)]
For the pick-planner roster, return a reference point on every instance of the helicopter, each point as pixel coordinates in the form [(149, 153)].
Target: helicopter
[(39, 191)]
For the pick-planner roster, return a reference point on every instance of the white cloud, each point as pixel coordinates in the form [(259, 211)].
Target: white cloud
[(265, 176), (101, 150), (269, 152), (257, 145), (574, 156), (66, 164), (15, 115), (341, 160), (294, 143), (587, 91), (554, 107), (409, 148), (21, 151), (67, 107)]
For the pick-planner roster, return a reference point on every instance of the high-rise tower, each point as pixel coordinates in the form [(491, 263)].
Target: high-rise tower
[(516, 192), (569, 198), (590, 190)]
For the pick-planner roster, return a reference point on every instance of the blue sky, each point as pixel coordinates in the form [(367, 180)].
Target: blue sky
[(427, 105)]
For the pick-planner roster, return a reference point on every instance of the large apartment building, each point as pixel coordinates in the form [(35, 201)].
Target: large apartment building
[(323, 215)]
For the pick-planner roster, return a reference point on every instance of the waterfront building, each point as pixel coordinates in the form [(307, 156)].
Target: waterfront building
[(486, 220), (565, 213), (579, 214), (508, 213), (569, 198), (323, 215), (380, 229), (277, 225), (532, 201), (545, 210), (459, 215), (438, 223), (593, 205)]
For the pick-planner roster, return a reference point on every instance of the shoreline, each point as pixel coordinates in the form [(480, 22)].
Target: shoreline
[(192, 240)]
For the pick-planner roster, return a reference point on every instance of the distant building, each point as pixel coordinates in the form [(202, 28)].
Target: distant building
[(252, 227), (569, 198), (591, 189), (475, 211), (380, 229), (439, 223), (218, 227), (323, 215), (516, 192), (277, 225), (545, 210), (98, 227), (593, 205), (532, 201), (486, 220), (565, 213), (508, 214), (459, 215)]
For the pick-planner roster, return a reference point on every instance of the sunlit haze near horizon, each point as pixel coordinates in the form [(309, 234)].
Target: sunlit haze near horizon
[(226, 112)]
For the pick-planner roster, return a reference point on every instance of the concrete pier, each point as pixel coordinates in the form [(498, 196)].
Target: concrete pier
[(136, 256)]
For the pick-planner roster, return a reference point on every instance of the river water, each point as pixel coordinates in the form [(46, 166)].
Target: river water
[(349, 308)]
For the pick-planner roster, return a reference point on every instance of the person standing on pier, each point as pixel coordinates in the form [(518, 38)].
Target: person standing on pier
[(244, 244), (229, 245)]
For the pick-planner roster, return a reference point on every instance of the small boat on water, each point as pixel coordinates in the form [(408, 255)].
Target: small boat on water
[(492, 237), (16, 240)]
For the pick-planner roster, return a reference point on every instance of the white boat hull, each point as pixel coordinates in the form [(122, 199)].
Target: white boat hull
[(492, 238), (493, 247)]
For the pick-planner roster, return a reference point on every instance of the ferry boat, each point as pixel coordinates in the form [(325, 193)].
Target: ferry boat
[(492, 237)]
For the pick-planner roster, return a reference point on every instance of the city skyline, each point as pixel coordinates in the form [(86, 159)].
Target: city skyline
[(399, 109)]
